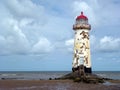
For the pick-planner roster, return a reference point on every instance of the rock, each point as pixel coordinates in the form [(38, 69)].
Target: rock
[(87, 78), (50, 78)]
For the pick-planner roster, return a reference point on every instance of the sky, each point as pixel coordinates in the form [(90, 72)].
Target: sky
[(37, 35)]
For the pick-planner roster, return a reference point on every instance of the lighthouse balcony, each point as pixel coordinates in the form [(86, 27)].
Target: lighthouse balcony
[(81, 26)]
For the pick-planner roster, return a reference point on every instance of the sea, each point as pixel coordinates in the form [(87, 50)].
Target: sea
[(46, 75)]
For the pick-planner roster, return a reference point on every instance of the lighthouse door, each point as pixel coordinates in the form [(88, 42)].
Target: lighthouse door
[(81, 60)]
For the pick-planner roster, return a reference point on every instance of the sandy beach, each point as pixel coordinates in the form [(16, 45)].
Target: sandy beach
[(54, 85)]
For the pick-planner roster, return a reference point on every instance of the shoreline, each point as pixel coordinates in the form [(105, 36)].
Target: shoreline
[(13, 82), (56, 85)]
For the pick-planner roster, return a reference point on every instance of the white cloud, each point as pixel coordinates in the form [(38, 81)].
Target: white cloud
[(109, 44), (14, 40), (92, 39), (69, 44), (42, 46), (106, 44), (15, 36), (24, 8)]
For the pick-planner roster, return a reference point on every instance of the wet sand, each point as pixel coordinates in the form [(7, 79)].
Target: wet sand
[(53, 85)]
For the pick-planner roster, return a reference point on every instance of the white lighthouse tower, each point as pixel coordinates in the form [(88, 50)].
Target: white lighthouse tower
[(81, 44)]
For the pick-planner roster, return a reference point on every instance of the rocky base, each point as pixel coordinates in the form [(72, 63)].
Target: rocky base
[(86, 78)]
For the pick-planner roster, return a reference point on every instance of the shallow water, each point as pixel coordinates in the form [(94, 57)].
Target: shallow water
[(109, 83), (50, 74), (108, 74), (31, 75)]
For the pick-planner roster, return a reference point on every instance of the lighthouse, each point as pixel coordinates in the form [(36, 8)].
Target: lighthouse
[(81, 57)]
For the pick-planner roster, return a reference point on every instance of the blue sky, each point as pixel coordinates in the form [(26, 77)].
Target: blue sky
[(37, 35)]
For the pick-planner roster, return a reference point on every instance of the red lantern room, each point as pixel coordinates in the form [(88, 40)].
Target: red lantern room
[(81, 17), (81, 22)]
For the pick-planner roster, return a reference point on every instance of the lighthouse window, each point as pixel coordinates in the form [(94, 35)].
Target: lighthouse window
[(78, 22), (82, 21), (86, 22)]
